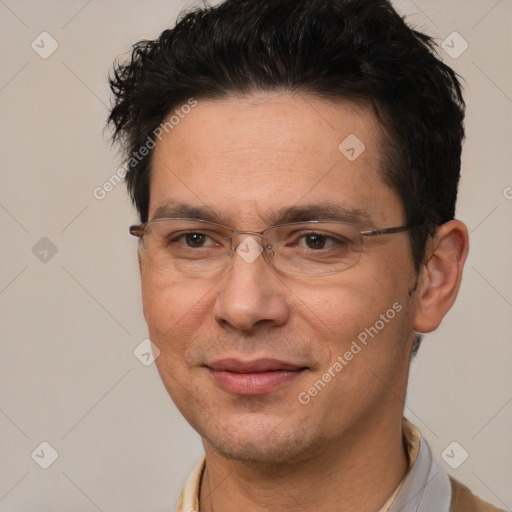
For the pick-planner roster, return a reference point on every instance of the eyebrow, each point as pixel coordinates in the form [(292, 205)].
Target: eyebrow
[(324, 212)]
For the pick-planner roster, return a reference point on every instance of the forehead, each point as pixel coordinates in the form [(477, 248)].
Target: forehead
[(243, 156)]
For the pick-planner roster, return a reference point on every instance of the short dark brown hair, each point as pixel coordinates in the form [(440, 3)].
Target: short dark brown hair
[(336, 49)]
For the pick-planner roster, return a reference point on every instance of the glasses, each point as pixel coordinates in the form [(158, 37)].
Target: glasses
[(313, 248)]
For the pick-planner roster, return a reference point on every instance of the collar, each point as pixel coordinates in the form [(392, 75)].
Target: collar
[(425, 487)]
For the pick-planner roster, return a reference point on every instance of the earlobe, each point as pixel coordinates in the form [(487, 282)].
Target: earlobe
[(441, 275)]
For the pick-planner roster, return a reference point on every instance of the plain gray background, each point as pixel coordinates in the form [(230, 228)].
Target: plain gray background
[(70, 321)]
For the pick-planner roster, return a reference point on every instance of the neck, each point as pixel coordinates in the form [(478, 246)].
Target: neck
[(357, 472)]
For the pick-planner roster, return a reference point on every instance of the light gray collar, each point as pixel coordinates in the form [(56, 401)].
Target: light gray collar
[(426, 487)]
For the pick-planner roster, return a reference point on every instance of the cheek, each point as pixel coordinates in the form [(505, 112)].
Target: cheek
[(362, 305), (365, 344), (341, 303), (171, 308)]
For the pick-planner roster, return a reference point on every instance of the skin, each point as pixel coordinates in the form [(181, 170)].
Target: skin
[(242, 157)]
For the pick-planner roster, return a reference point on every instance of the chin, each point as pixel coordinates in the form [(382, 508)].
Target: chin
[(257, 452), (262, 444)]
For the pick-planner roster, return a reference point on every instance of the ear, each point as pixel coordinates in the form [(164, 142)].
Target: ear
[(440, 276)]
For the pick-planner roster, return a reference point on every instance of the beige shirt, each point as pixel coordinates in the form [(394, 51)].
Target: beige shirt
[(189, 499)]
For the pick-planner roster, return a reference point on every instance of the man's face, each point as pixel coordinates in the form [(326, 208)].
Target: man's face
[(243, 158)]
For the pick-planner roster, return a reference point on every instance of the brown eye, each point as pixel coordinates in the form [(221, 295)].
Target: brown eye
[(318, 241), (195, 239), (315, 241)]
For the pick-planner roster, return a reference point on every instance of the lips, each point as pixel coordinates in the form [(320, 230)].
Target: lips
[(257, 377), (257, 366)]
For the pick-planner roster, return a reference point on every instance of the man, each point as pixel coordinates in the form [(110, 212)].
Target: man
[(295, 168)]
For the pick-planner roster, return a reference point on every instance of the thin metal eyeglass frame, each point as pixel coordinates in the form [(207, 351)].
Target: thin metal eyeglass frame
[(137, 230)]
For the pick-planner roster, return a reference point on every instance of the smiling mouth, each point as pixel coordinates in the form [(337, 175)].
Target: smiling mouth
[(252, 378)]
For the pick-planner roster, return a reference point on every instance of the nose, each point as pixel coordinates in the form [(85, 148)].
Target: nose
[(250, 292)]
